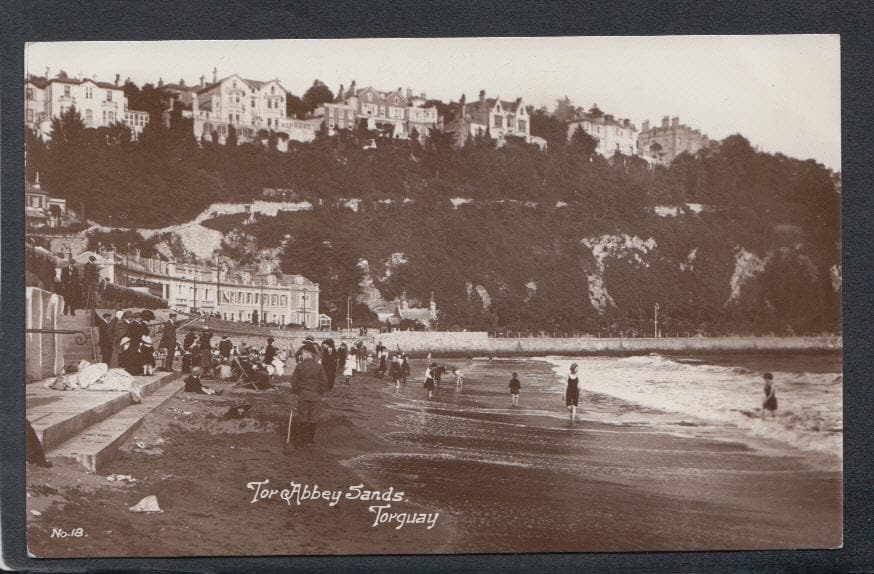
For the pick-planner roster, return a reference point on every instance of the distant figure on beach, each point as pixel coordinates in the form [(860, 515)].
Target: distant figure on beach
[(514, 389), (348, 370), (396, 371), (430, 375), (572, 391), (459, 378), (770, 403), (405, 369)]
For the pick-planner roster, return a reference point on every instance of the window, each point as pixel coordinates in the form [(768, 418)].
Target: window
[(369, 97), (88, 117), (272, 90), (499, 121), (108, 95), (269, 120), (230, 117), (67, 91), (257, 298), (253, 103), (89, 91), (29, 116), (273, 300), (283, 300), (234, 83), (248, 298), (237, 99), (29, 93), (522, 125)]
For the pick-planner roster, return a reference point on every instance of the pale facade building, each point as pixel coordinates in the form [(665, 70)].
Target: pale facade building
[(662, 144), (244, 295), (613, 135), (99, 103), (396, 113), (251, 107), (497, 118)]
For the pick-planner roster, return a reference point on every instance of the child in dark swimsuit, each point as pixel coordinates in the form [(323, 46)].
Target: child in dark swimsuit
[(770, 403), (572, 391), (514, 389)]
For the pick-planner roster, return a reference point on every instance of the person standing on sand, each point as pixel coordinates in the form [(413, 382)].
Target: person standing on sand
[(770, 402), (349, 369), (329, 361), (309, 383), (514, 389), (168, 342), (572, 391)]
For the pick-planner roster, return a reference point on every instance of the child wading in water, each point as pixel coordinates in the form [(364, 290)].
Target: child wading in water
[(430, 374), (514, 389), (770, 403), (572, 391)]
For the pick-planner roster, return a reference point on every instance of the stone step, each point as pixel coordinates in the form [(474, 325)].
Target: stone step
[(99, 443), (60, 415)]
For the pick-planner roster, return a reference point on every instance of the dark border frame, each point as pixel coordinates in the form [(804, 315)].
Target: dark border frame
[(42, 20)]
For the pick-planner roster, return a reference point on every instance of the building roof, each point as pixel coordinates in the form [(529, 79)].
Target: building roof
[(489, 103), (605, 119), (254, 84), (42, 82), (38, 81)]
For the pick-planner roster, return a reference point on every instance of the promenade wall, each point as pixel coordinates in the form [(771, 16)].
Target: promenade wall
[(481, 343)]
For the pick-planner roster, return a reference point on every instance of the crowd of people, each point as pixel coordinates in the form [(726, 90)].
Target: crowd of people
[(125, 341), (79, 289)]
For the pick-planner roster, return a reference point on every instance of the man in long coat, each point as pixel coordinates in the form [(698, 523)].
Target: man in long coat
[(168, 342), (118, 331)]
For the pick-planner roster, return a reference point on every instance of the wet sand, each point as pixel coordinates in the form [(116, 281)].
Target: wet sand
[(502, 480)]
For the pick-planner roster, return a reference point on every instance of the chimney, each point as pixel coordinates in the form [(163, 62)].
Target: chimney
[(423, 96), (202, 80), (340, 94), (645, 126), (665, 121), (482, 96), (214, 75), (160, 82), (675, 121), (409, 93), (117, 78), (48, 71), (351, 89), (182, 82)]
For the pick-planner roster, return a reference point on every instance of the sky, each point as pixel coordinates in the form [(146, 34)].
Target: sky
[(780, 92)]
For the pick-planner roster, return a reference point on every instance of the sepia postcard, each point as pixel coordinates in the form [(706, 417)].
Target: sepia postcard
[(433, 296)]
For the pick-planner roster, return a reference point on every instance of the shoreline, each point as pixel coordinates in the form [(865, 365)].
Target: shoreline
[(633, 491)]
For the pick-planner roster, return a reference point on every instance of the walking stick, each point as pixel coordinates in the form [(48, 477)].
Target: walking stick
[(288, 434)]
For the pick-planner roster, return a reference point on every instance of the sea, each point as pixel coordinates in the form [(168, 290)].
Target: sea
[(673, 427)]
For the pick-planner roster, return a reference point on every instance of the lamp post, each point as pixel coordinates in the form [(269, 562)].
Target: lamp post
[(305, 313), (194, 277), (261, 288), (348, 313), (655, 321), (127, 266), (217, 286)]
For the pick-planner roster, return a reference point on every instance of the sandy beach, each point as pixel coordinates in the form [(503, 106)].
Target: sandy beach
[(497, 479)]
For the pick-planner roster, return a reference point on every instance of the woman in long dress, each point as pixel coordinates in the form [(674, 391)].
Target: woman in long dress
[(572, 391)]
